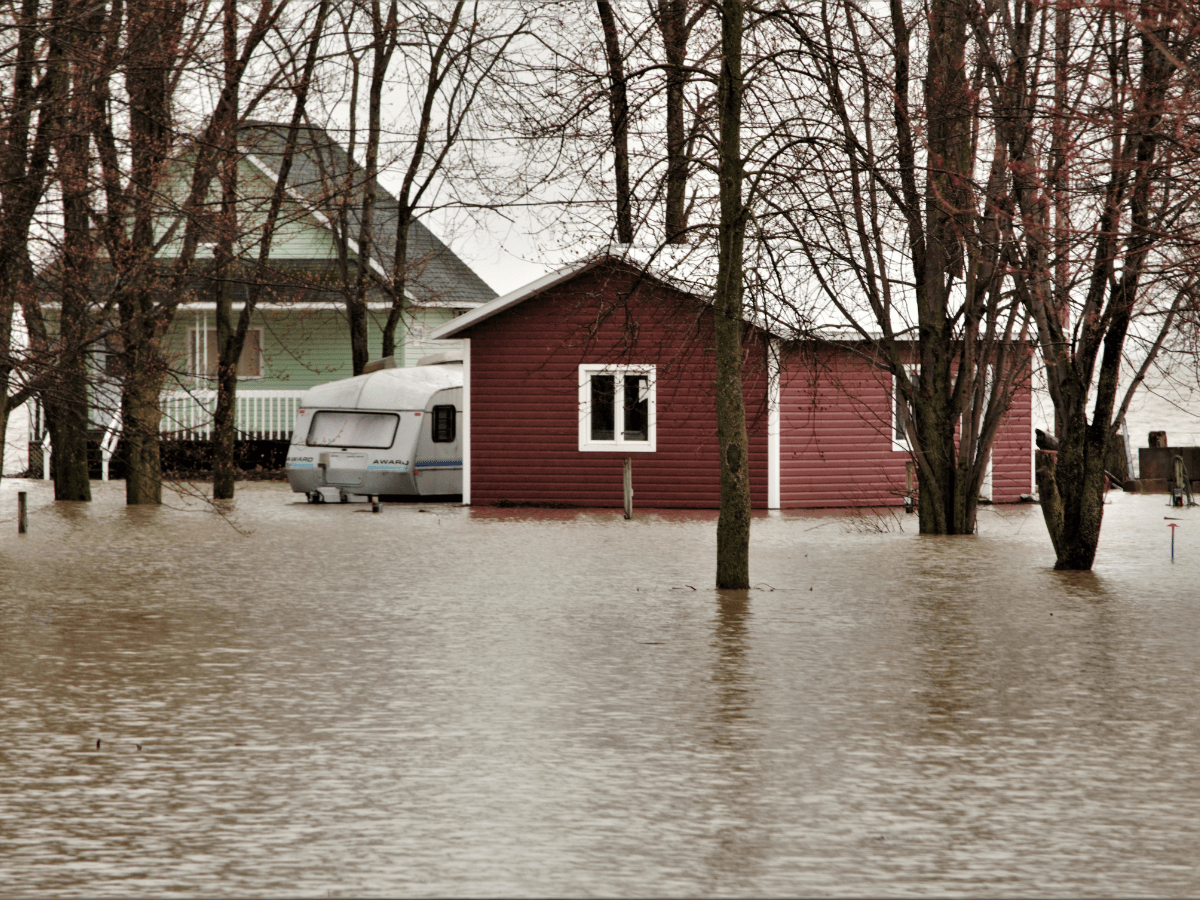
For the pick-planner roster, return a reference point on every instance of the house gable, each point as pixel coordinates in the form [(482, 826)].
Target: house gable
[(524, 387)]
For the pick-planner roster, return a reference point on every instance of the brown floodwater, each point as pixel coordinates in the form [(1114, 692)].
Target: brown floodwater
[(445, 701)]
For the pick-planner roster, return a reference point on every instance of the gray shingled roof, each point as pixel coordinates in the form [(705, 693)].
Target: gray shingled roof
[(318, 175)]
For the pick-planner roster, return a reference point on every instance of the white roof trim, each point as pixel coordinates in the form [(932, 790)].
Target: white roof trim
[(332, 305), (500, 304), (311, 208)]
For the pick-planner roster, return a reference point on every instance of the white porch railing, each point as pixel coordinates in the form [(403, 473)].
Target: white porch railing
[(265, 415)]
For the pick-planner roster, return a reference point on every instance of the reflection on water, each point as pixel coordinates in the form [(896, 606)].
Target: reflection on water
[(441, 701)]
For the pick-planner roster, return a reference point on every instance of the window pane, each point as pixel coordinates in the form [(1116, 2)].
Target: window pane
[(250, 362), (898, 413), (205, 365), (352, 429), (443, 424), (637, 408), (604, 389), (208, 359)]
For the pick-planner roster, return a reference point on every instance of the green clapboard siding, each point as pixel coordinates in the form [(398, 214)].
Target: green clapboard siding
[(306, 347)]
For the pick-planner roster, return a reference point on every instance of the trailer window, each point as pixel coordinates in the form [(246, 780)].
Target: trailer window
[(334, 428), (443, 424)]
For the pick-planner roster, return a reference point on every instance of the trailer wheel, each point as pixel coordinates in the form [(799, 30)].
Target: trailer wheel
[(342, 498), (315, 497)]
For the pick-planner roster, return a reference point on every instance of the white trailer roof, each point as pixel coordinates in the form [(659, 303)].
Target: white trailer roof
[(386, 389)]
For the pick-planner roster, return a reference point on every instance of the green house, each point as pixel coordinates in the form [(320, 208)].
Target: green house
[(299, 334)]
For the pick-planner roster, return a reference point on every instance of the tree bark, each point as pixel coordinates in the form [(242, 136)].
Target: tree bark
[(231, 335), (733, 523), (947, 506), (618, 110), (672, 22), (67, 399), (154, 39), (24, 158), (140, 416)]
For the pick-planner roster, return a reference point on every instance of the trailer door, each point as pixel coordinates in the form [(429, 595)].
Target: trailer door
[(439, 448)]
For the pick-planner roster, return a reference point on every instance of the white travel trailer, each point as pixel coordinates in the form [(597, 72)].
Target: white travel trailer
[(392, 432)]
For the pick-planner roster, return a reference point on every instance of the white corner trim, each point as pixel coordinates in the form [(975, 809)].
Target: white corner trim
[(466, 439), (774, 419)]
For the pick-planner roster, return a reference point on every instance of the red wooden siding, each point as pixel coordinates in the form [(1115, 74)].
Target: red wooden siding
[(835, 446), (835, 409), (836, 438), (524, 397), (1012, 452)]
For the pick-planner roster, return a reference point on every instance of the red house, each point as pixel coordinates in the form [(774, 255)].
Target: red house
[(569, 375)]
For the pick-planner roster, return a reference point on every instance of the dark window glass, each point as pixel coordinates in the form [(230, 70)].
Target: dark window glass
[(443, 424), (637, 408), (604, 390), (898, 413)]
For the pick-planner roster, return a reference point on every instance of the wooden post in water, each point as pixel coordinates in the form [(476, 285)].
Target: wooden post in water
[(22, 513), (628, 488), (908, 486)]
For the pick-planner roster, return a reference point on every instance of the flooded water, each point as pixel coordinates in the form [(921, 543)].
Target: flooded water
[(444, 701)]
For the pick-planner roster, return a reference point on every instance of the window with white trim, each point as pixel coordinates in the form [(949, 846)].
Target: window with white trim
[(617, 408), (900, 439), (202, 353)]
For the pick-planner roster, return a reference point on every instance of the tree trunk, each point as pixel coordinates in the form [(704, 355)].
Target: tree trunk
[(67, 420), (67, 408), (672, 21), (1071, 487), (733, 523), (399, 282), (224, 472), (4, 412), (618, 108), (944, 508), (140, 415)]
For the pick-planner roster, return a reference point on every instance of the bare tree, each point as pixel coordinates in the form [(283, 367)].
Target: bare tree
[(1103, 212), (231, 334), (880, 215), (26, 134), (444, 66)]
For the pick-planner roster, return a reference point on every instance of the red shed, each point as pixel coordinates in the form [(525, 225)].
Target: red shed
[(599, 361)]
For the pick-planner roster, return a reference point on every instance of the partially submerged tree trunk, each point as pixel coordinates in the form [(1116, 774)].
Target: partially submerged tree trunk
[(155, 35), (24, 157), (141, 418), (733, 523), (947, 504), (231, 335), (1138, 190), (66, 399)]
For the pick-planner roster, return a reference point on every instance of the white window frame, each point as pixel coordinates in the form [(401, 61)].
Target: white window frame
[(618, 443), (905, 445), (198, 354)]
